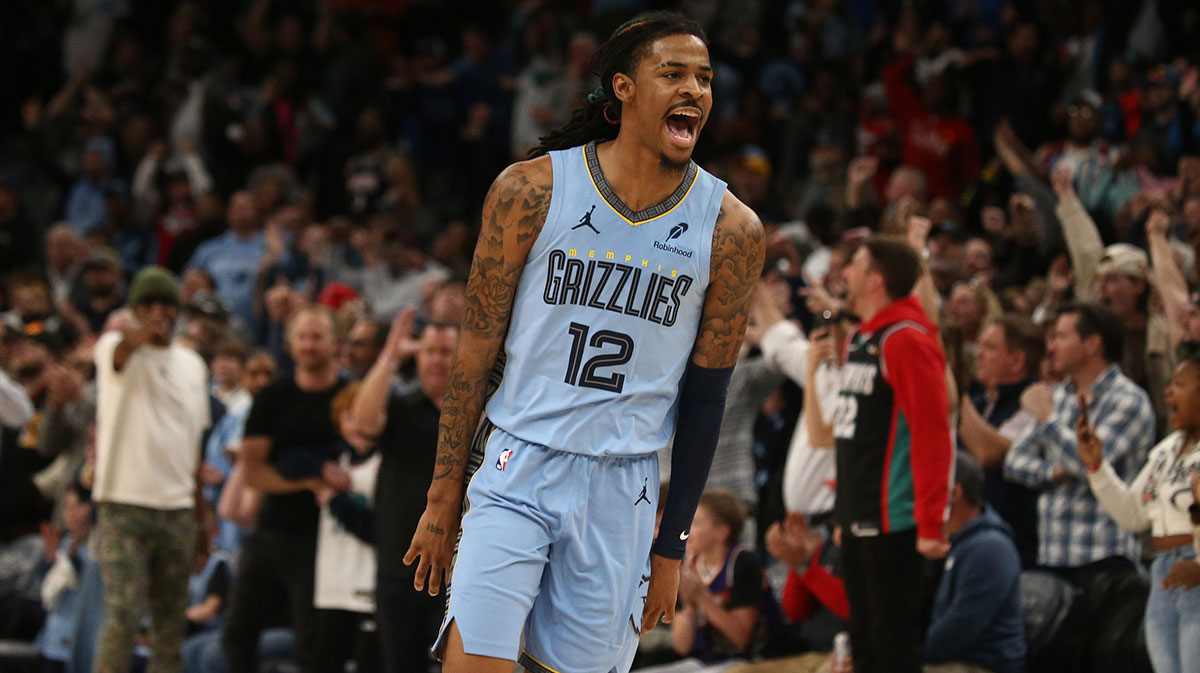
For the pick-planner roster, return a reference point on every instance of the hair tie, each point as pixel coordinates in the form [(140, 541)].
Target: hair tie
[(595, 95)]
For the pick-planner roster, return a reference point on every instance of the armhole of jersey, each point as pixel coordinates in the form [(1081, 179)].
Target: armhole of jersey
[(846, 343), (907, 324), (558, 169), (715, 199)]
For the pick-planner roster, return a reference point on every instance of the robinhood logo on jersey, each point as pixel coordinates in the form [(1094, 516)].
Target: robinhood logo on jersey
[(676, 231)]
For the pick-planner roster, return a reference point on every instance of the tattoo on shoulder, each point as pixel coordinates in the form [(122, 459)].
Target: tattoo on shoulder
[(737, 259)]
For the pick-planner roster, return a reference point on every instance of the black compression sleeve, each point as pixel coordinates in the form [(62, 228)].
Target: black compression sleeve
[(701, 406)]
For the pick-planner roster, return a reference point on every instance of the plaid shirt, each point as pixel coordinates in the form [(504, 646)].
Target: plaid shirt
[(1073, 529)]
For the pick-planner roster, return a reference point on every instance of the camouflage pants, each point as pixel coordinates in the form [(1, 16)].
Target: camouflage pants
[(146, 557)]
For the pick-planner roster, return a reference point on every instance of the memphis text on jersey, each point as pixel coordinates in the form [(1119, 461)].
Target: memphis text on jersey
[(612, 282)]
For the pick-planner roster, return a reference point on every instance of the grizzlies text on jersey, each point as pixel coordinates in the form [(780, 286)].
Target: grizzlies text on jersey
[(606, 313)]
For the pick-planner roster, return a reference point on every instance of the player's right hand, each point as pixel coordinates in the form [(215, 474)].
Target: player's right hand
[(433, 544)]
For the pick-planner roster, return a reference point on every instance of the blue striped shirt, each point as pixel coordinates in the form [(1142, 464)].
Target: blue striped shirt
[(1073, 529)]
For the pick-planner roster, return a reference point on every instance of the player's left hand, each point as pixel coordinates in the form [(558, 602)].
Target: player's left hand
[(662, 592)]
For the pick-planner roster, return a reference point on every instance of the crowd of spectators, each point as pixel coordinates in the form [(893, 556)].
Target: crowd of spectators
[(308, 176)]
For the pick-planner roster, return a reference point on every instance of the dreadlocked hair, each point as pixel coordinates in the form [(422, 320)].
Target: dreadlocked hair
[(598, 118)]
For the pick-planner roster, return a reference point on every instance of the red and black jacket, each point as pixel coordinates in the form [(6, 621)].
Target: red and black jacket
[(892, 426)]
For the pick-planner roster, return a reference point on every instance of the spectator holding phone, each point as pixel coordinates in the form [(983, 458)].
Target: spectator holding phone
[(1159, 500)]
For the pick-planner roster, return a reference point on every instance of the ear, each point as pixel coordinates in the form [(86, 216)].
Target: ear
[(624, 87), (1019, 361), (957, 493), (875, 280)]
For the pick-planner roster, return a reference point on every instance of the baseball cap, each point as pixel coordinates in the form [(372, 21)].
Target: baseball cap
[(1124, 258)]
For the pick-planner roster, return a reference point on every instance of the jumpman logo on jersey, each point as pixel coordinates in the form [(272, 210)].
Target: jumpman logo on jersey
[(642, 497), (586, 221)]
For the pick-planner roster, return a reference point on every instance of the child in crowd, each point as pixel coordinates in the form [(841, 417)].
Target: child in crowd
[(722, 589), (60, 595)]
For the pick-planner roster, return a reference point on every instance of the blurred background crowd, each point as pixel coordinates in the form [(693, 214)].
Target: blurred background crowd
[(276, 155)]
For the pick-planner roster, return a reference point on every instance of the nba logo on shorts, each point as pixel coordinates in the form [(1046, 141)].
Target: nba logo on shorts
[(502, 460)]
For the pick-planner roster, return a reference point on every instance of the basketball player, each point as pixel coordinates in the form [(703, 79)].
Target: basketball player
[(894, 455), (615, 274)]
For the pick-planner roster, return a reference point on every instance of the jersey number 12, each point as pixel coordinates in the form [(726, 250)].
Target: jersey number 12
[(580, 373)]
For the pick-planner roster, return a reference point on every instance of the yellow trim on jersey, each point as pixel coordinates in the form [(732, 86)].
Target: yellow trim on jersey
[(534, 659), (614, 208)]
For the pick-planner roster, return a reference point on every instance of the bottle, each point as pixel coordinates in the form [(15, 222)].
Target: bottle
[(841, 651)]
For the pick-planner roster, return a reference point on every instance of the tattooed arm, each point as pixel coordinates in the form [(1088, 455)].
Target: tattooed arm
[(513, 214), (737, 259)]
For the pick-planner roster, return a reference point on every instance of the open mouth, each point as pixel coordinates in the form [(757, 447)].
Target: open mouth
[(682, 125)]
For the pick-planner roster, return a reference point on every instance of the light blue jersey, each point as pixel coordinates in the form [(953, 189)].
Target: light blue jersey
[(606, 313)]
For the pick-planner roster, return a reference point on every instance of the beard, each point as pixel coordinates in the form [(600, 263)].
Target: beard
[(670, 166), (104, 291)]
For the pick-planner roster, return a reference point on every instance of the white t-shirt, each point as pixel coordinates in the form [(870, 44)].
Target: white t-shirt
[(345, 576), (149, 420), (810, 472)]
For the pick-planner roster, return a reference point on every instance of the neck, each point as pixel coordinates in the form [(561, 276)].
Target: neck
[(715, 558), (870, 306), (1190, 437), (312, 380), (1135, 320), (955, 524), (435, 395), (635, 174), (997, 385), (1085, 377), (970, 333)]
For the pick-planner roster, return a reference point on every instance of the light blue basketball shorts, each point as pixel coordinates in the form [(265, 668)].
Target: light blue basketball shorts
[(556, 547)]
